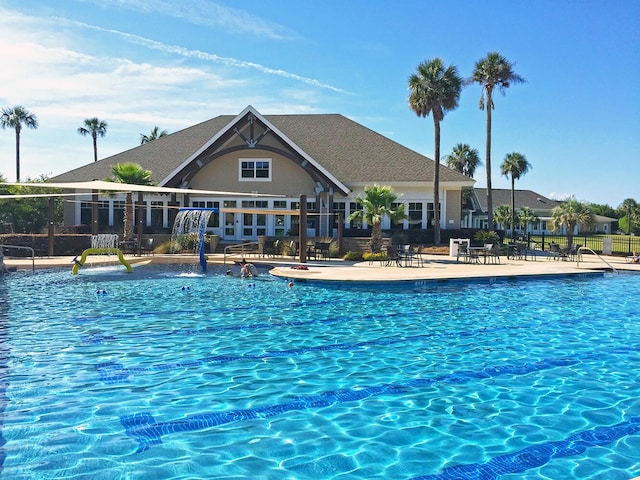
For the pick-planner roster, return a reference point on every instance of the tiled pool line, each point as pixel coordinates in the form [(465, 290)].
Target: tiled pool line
[(147, 432)]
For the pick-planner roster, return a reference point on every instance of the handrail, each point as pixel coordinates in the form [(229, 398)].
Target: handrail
[(33, 254), (242, 246), (590, 250)]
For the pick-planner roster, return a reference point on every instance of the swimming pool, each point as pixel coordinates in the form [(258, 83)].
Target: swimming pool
[(164, 373)]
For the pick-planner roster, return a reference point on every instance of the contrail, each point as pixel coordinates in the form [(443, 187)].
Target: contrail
[(200, 55)]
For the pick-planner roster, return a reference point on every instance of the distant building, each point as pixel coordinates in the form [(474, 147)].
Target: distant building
[(542, 207), (327, 157)]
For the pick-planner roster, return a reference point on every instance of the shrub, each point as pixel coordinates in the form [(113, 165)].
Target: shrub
[(373, 257), (353, 256)]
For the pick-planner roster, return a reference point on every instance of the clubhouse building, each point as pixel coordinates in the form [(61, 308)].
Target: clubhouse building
[(266, 162)]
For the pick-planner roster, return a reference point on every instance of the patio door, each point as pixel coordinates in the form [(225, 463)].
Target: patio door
[(231, 222)]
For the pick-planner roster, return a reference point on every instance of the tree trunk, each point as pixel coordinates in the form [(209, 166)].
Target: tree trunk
[(436, 183), (376, 237), (128, 218), (95, 148), (487, 161), (513, 208), (17, 155)]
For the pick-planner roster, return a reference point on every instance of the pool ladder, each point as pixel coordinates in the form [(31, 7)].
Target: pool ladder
[(579, 256)]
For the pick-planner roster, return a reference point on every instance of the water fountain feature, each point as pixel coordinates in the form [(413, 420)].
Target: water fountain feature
[(107, 241), (102, 244), (189, 227)]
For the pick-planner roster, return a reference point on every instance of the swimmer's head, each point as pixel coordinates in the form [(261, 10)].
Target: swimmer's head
[(229, 272)]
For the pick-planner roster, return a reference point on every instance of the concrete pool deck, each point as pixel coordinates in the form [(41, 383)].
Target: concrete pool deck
[(436, 267)]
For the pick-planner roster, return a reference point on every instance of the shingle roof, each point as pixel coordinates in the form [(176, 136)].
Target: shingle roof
[(349, 151), (523, 198)]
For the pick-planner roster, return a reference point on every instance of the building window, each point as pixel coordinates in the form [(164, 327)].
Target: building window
[(255, 170), (397, 224), (214, 218), (356, 223), (415, 215), (280, 204), (339, 208), (157, 215)]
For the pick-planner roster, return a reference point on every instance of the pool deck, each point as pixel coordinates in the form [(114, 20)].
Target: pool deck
[(436, 267)]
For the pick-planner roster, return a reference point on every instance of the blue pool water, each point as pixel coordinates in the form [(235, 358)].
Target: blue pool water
[(164, 373)]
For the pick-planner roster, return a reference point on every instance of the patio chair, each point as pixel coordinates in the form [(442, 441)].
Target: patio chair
[(418, 258), (468, 256), (556, 252), (321, 249), (492, 253), (393, 255), (147, 247)]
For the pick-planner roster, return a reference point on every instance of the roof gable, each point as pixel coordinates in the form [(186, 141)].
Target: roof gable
[(339, 149)]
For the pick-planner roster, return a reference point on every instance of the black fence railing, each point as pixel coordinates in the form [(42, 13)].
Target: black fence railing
[(620, 244)]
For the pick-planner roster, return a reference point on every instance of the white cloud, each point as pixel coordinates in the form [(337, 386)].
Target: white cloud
[(55, 70)]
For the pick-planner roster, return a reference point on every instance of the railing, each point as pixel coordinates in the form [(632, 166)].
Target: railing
[(33, 254), (244, 248), (620, 244), (579, 256)]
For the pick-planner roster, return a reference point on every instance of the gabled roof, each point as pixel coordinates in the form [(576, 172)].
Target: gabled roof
[(523, 198), (347, 151)]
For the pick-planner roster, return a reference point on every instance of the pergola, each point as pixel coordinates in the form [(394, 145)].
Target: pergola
[(96, 186)]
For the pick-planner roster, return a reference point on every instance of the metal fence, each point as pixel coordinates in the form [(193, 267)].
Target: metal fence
[(620, 244)]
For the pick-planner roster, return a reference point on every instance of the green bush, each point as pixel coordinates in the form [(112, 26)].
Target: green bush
[(353, 256)]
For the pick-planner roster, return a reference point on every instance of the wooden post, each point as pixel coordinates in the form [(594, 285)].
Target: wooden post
[(51, 229), (140, 218), (302, 229), (94, 213)]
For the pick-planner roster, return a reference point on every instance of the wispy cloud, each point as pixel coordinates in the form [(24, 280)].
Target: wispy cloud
[(208, 13), (204, 56)]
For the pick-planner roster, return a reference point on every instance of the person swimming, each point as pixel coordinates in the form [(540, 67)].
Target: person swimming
[(248, 269)]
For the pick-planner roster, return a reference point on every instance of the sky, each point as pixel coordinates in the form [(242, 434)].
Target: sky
[(137, 64)]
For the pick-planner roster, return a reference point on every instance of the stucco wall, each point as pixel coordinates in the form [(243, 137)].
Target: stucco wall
[(287, 178)]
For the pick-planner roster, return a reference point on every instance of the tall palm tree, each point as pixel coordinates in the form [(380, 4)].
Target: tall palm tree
[(493, 71), (96, 128), (515, 165), (133, 174), (465, 160), (435, 90), (629, 206), (570, 214), (16, 117), (155, 133), (378, 201)]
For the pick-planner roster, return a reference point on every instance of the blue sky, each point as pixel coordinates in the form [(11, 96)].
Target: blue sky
[(141, 63)]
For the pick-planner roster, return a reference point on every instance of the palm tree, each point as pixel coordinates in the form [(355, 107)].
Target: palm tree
[(492, 72), (465, 160), (96, 128), (525, 217), (133, 174), (515, 165), (570, 214), (502, 215), (435, 90), (16, 117), (630, 207), (155, 133), (378, 202)]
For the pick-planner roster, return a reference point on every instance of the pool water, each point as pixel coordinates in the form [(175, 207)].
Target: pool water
[(169, 373)]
